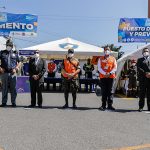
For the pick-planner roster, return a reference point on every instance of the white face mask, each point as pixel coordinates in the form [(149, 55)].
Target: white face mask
[(8, 48), (146, 54), (70, 55), (36, 55), (107, 52), (134, 64)]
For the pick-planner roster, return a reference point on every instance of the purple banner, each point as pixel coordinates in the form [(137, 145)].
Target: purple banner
[(23, 84), (26, 52)]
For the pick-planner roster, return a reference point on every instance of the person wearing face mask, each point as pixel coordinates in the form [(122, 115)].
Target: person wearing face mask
[(70, 70), (143, 68), (10, 63), (132, 75), (37, 68), (52, 68), (107, 67)]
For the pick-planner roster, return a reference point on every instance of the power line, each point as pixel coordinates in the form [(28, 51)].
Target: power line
[(77, 18), (90, 17)]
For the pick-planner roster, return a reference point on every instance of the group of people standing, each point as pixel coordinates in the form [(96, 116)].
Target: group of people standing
[(70, 69)]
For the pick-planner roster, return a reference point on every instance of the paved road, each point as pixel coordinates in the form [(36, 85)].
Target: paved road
[(87, 128)]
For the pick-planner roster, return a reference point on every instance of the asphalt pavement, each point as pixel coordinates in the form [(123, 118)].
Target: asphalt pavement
[(86, 128)]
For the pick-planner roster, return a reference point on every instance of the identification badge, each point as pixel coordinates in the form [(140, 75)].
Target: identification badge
[(13, 55)]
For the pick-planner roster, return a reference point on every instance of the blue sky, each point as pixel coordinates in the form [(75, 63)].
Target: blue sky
[(92, 21)]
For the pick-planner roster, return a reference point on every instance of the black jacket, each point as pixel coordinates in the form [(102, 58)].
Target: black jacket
[(38, 69), (143, 66)]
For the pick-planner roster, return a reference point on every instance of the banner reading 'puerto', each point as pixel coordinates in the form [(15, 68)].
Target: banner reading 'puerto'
[(18, 24), (134, 30)]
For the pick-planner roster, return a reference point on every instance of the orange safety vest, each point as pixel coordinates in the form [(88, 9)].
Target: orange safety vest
[(51, 67), (70, 67), (107, 65)]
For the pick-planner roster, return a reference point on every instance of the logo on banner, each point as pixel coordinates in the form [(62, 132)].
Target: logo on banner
[(147, 23), (68, 46), (3, 17)]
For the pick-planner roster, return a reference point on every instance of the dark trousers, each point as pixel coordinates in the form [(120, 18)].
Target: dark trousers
[(36, 87), (107, 94), (88, 75), (52, 75), (9, 80), (144, 90)]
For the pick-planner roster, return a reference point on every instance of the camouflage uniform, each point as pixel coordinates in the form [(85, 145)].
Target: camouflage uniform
[(132, 86)]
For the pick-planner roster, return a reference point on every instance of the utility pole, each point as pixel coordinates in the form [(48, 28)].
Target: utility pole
[(148, 8)]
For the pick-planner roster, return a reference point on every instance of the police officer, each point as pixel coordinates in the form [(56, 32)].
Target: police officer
[(70, 71), (132, 75), (88, 68), (107, 67), (143, 68), (10, 64)]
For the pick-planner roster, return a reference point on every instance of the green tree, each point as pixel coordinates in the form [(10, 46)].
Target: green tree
[(115, 49)]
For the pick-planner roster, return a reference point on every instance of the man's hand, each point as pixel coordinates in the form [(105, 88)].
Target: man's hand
[(2, 70), (148, 75), (107, 75), (35, 77), (13, 71), (70, 75), (17, 69)]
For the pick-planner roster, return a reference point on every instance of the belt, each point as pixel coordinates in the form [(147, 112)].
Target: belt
[(8, 70)]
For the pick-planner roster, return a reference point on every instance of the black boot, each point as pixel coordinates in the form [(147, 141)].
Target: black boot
[(110, 107), (103, 107), (65, 106), (129, 93), (66, 94), (74, 96)]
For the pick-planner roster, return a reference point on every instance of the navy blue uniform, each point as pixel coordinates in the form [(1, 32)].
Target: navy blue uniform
[(9, 61), (7, 64)]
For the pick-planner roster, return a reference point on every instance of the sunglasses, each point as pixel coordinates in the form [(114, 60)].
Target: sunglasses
[(36, 52)]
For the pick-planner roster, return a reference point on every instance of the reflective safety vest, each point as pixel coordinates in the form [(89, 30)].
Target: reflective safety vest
[(51, 67), (107, 64), (70, 67)]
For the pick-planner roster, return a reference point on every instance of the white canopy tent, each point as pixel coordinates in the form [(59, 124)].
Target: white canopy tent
[(59, 47), (133, 55)]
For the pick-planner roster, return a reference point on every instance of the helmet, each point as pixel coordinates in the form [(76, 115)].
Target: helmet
[(70, 50), (9, 43)]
